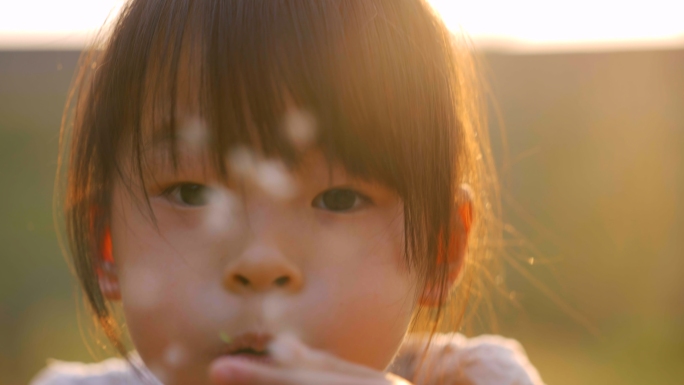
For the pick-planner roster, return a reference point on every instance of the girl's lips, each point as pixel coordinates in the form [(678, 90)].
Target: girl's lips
[(257, 342), (249, 346)]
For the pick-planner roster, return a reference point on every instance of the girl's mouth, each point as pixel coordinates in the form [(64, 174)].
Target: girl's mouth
[(250, 347)]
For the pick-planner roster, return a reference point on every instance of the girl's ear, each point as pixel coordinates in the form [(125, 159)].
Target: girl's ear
[(106, 269), (455, 257)]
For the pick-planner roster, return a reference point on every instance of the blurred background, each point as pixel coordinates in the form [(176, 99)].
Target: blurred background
[(587, 123)]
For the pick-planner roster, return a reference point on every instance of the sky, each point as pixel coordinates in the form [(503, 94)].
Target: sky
[(506, 25)]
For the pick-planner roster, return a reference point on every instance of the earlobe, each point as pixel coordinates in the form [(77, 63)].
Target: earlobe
[(109, 286), (458, 246), (107, 275), (465, 208)]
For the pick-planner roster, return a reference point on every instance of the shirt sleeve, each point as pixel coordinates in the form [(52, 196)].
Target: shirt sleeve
[(113, 371), (457, 360)]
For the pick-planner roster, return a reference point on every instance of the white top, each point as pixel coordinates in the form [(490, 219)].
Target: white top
[(450, 360)]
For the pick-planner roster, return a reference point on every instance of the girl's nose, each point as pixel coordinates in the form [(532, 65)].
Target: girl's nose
[(262, 268)]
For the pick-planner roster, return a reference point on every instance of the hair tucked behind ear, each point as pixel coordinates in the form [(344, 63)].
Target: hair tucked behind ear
[(462, 303), (395, 94)]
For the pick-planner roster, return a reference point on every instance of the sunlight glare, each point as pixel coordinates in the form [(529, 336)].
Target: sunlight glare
[(580, 24), (523, 25), (53, 24)]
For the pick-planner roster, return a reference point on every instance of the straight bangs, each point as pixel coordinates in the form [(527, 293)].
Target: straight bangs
[(378, 79)]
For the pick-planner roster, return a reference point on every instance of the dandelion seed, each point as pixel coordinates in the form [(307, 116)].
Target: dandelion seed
[(220, 216), (286, 348), (225, 337), (272, 311), (270, 175), (300, 127), (530, 261), (274, 179), (174, 355), (194, 132)]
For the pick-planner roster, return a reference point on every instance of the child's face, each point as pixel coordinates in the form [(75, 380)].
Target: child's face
[(324, 262)]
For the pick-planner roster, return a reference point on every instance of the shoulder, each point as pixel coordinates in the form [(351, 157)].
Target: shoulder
[(453, 359), (108, 372)]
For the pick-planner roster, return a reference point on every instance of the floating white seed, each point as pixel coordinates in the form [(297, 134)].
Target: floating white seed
[(300, 127), (272, 311), (222, 210), (174, 355), (193, 132), (273, 177)]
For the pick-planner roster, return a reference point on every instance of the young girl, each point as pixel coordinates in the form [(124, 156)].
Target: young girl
[(281, 192)]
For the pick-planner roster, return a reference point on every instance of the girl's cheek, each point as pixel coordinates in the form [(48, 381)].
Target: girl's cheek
[(165, 329)]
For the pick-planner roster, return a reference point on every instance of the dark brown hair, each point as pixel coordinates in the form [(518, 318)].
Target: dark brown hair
[(393, 91)]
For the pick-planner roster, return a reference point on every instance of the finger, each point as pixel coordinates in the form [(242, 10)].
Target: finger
[(396, 380), (289, 351), (233, 372)]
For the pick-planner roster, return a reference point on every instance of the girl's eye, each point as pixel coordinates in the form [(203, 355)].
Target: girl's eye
[(189, 194), (339, 200)]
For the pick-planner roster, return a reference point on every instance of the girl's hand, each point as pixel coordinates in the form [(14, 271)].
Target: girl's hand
[(297, 364)]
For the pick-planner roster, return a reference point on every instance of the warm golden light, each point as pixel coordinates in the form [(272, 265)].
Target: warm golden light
[(49, 24), (523, 25), (576, 25)]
